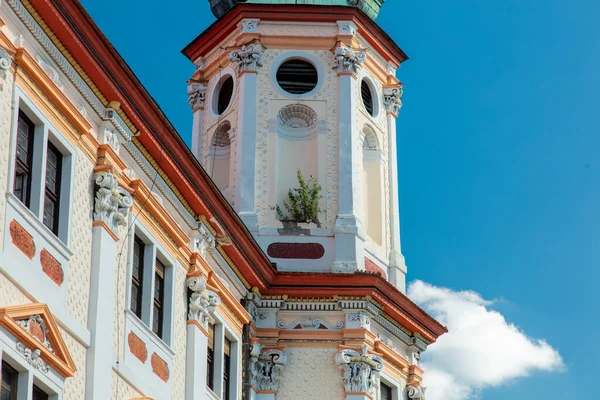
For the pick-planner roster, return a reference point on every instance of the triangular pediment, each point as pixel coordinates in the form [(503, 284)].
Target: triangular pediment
[(35, 329)]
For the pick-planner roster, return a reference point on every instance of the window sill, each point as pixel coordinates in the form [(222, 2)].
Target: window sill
[(141, 326), (211, 395)]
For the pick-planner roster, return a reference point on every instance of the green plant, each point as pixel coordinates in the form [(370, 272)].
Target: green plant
[(302, 203)]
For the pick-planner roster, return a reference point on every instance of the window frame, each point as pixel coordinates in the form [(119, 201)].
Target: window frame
[(14, 384), (29, 162), (49, 195), (322, 72), (27, 377)]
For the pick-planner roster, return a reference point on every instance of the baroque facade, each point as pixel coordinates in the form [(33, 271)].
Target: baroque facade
[(133, 267)]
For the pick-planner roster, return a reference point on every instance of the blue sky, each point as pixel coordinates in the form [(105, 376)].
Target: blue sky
[(498, 154)]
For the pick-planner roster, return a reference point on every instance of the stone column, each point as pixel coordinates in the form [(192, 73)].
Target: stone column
[(202, 304), (265, 369), (348, 230), (360, 373), (392, 100), (111, 208), (197, 100), (247, 60)]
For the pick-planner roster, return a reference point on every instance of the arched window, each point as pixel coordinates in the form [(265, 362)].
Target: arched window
[(372, 185), (219, 151)]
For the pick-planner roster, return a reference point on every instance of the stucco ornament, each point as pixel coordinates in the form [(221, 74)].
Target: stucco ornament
[(266, 368), (348, 60), (111, 137), (4, 60), (310, 324), (202, 301), (33, 357), (363, 320), (248, 57), (204, 241), (196, 95), (360, 371), (112, 202), (249, 25), (36, 326), (415, 393), (392, 100)]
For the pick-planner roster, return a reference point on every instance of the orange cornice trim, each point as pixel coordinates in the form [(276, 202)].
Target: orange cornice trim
[(228, 298), (107, 229), (392, 355), (28, 63), (60, 359)]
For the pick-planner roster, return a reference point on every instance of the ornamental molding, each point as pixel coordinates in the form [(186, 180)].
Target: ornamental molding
[(347, 28), (249, 25), (204, 242), (387, 341), (112, 203), (33, 357), (248, 58), (196, 95), (35, 322), (5, 60), (311, 324), (266, 368), (415, 393), (360, 370), (111, 138), (392, 100), (361, 319), (202, 301), (348, 60)]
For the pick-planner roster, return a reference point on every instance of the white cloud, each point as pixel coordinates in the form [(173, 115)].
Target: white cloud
[(480, 350)]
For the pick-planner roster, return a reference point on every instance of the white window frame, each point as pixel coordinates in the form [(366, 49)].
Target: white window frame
[(44, 131), (222, 330), (395, 385), (152, 251)]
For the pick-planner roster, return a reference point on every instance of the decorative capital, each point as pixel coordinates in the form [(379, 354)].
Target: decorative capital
[(202, 301), (247, 58), (360, 370), (392, 100), (196, 95), (415, 393), (360, 320), (112, 203), (266, 368), (249, 25), (348, 60)]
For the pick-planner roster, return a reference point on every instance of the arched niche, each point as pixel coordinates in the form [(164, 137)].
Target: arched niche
[(372, 186), (219, 156)]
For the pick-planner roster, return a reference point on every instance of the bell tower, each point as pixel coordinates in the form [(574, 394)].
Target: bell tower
[(288, 90)]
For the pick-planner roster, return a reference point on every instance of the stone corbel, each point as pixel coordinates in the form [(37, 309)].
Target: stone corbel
[(392, 100), (111, 203), (360, 370), (196, 95), (415, 392), (266, 368), (202, 302), (349, 61), (204, 241), (247, 58)]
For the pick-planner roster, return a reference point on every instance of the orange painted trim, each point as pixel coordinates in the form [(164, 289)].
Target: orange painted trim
[(392, 355), (228, 298), (106, 154), (359, 394), (102, 224), (188, 322), (60, 360), (60, 100), (158, 211)]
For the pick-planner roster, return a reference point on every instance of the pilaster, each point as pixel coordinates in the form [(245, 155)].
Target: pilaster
[(111, 208), (360, 373), (348, 230), (197, 100), (265, 369)]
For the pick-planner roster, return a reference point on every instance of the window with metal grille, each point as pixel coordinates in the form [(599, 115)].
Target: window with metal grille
[(297, 76), (225, 94), (386, 391), (9, 382), (210, 358), (137, 276), (367, 96), (159, 294), (226, 368), (52, 190), (24, 159), (38, 394)]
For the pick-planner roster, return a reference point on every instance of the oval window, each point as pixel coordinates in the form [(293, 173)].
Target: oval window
[(367, 97), (297, 76), (224, 95)]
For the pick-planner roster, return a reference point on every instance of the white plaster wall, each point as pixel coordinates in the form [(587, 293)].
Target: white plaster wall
[(311, 373), (121, 390), (6, 82)]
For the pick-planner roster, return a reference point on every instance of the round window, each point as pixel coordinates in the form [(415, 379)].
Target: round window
[(224, 94), (297, 76), (367, 97)]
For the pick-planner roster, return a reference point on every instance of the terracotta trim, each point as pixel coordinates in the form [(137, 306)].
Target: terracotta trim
[(102, 224), (192, 322), (392, 355)]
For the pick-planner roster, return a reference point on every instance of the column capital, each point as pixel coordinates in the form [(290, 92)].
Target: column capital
[(392, 100), (348, 60), (266, 368), (112, 203), (202, 301), (247, 58), (360, 370), (196, 94), (415, 392)]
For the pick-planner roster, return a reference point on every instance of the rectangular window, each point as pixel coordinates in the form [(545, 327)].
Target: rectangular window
[(38, 394), (159, 294), (137, 276), (226, 367), (210, 358), (24, 159), (386, 392), (9, 382), (52, 191)]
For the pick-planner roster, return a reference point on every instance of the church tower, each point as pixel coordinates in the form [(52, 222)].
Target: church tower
[(283, 90)]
